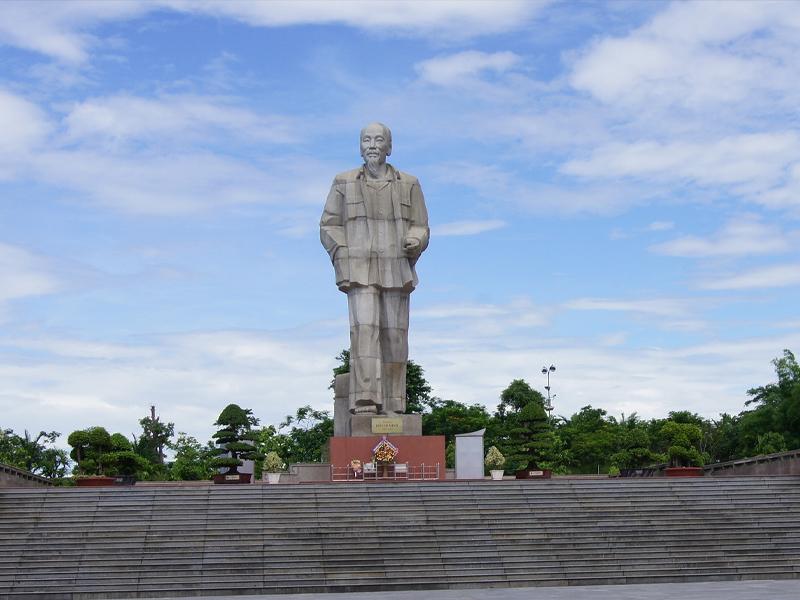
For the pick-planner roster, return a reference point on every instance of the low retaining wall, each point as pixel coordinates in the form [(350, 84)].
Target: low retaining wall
[(780, 463), (13, 477)]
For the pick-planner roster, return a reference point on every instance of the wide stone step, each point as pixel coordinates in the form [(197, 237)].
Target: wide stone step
[(151, 541)]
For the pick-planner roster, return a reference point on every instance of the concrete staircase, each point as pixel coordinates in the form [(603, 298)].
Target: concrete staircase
[(180, 540)]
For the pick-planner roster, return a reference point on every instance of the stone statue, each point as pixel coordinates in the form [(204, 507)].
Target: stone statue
[(374, 227)]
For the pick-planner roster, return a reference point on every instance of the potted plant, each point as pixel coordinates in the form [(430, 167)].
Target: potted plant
[(235, 439), (683, 449), (103, 459), (532, 434), (273, 465), (613, 471), (494, 461), (126, 466)]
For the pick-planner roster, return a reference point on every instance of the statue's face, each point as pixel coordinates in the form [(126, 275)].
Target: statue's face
[(375, 146)]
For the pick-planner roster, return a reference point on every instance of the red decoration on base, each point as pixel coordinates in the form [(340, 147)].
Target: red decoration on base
[(415, 450)]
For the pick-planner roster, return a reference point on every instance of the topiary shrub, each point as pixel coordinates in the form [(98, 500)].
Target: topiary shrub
[(89, 449), (683, 444), (236, 430), (273, 463), (97, 452), (494, 459)]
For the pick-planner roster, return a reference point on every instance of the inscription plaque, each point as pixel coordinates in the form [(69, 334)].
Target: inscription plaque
[(387, 425)]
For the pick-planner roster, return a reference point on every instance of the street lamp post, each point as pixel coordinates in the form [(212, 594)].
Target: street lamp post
[(549, 405)]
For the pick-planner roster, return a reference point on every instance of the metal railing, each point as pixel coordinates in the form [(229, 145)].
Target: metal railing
[(386, 472)]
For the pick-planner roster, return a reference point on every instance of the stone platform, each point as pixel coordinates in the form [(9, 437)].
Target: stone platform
[(723, 590), (398, 539)]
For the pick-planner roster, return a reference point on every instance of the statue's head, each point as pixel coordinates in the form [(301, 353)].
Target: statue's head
[(376, 144)]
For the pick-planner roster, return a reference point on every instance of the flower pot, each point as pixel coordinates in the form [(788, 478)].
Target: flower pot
[(231, 478), (683, 471), (497, 474), (273, 478), (96, 481)]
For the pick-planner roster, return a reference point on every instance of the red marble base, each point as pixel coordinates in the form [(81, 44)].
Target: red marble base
[(415, 450)]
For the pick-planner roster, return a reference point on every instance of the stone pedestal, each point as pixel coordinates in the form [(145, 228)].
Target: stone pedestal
[(346, 424), (372, 425), (341, 405)]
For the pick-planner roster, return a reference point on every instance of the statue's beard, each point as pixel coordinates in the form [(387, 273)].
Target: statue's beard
[(373, 166)]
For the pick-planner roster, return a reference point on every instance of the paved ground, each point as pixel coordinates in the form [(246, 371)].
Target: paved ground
[(724, 590)]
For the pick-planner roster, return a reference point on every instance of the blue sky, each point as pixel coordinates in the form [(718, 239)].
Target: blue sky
[(613, 188)]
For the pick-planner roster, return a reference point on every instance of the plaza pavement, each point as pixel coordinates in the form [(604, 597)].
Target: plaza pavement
[(721, 590)]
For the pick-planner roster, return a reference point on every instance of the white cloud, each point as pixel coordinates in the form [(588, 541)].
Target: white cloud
[(189, 377), (61, 30), (23, 274), (123, 118), (483, 319), (660, 226), (741, 236), (661, 307), (464, 67), (24, 127), (759, 278), (468, 227), (705, 378), (751, 160), (449, 18), (698, 54), (72, 384), (58, 29), (178, 183)]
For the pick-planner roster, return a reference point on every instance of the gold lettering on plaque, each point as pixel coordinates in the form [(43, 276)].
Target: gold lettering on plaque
[(387, 425)]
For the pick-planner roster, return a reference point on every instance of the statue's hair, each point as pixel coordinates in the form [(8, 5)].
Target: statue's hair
[(386, 131)]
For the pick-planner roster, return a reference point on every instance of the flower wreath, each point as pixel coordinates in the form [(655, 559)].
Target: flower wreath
[(385, 451)]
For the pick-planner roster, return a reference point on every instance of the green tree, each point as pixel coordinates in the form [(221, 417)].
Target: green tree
[(89, 449), (236, 431), (775, 407), (634, 446), (522, 430), (681, 443), (418, 390), (591, 437), (725, 439), (37, 455), (306, 433), (97, 452), (531, 437), (154, 439), (770, 443), (343, 367), (192, 460), (449, 418), (516, 397)]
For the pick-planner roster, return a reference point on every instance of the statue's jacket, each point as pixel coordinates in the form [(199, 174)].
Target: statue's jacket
[(366, 247)]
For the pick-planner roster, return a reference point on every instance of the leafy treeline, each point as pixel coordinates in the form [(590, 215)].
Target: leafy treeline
[(587, 442)]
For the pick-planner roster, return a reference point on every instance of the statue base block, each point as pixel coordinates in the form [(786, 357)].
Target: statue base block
[(414, 450), (395, 425)]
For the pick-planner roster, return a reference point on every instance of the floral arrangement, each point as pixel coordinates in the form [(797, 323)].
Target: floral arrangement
[(356, 466), (494, 458), (385, 451)]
